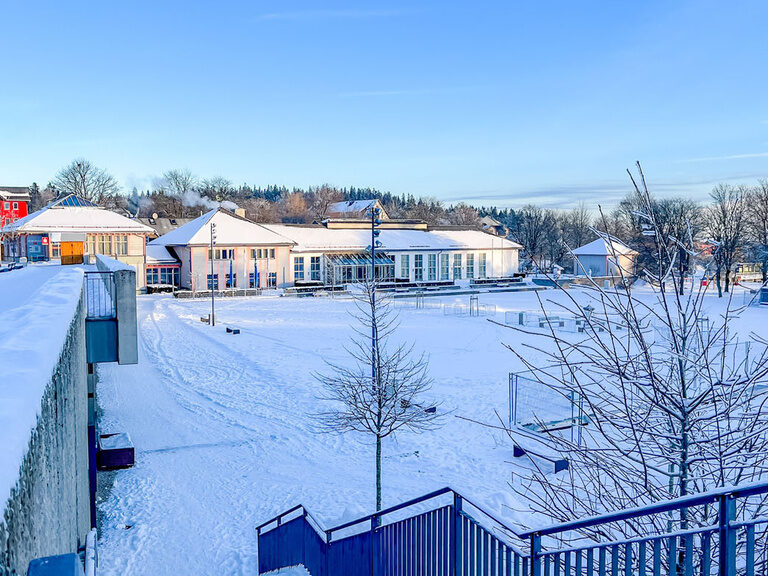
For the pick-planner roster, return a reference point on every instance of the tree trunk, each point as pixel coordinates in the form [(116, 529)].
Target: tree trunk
[(719, 284), (727, 279), (378, 473)]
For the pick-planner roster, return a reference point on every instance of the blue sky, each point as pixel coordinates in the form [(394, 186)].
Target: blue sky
[(490, 102)]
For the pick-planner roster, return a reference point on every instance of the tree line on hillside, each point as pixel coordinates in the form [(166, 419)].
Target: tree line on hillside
[(733, 225)]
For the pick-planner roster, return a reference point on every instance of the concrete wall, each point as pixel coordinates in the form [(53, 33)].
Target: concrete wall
[(49, 511)]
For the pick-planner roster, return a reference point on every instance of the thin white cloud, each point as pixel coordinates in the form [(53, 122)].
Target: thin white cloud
[(328, 14), (410, 91), (726, 157)]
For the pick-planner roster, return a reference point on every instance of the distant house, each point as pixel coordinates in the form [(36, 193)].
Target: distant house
[(72, 229), (246, 254), (493, 226), (14, 201), (604, 257), (355, 209)]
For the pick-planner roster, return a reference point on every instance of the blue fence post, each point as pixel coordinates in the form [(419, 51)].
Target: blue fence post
[(373, 548), (727, 535), (455, 554), (535, 551)]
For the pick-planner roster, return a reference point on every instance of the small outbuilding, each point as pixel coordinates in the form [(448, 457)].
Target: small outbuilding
[(604, 257)]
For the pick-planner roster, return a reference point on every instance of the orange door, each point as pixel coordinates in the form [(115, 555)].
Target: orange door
[(71, 252)]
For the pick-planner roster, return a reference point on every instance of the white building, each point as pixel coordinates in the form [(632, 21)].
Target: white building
[(604, 257), (246, 254), (335, 255)]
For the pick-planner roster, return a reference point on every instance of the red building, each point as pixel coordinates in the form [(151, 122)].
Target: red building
[(13, 203)]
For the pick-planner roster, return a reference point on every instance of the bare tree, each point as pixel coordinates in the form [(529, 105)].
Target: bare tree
[(463, 215), (382, 390), (675, 404), (431, 211), (726, 223), (321, 198), (758, 224), (529, 229), (81, 177), (181, 184)]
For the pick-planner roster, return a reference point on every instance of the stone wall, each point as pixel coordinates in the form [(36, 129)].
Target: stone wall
[(48, 511)]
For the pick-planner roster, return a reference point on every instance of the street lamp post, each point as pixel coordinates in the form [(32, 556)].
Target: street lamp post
[(213, 285)]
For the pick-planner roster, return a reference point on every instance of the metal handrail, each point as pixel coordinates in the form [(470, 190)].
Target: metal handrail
[(658, 508)]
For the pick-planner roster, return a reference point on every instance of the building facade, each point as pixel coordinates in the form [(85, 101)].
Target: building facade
[(604, 258), (72, 229), (245, 254), (14, 201)]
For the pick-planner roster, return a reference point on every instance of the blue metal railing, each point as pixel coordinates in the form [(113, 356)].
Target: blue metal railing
[(427, 536), (441, 534)]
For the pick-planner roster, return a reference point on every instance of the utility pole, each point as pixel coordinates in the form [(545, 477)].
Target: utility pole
[(213, 277)]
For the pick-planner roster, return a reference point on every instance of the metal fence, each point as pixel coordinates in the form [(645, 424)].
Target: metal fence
[(100, 295), (458, 538), (540, 407), (454, 537)]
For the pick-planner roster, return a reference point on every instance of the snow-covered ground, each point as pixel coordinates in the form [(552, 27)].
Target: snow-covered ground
[(225, 437)]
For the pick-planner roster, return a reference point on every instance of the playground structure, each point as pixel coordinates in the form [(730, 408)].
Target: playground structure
[(562, 322)]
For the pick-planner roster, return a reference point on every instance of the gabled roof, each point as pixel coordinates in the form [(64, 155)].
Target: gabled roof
[(14, 193), (159, 254), (355, 208), (164, 225), (316, 238), (72, 201), (604, 247), (231, 230), (74, 214)]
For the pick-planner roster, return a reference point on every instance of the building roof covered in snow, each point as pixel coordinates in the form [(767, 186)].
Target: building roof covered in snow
[(355, 208), (164, 225), (604, 247), (317, 238), (159, 254), (74, 214), (14, 193), (231, 230)]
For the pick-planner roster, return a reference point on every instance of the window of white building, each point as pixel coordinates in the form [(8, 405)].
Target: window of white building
[(432, 267)]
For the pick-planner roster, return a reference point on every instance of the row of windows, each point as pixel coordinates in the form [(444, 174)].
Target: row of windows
[(163, 275), (108, 244), (7, 205), (314, 268), (418, 267), (230, 280), (229, 253)]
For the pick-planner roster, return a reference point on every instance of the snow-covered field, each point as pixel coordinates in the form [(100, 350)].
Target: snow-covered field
[(225, 437)]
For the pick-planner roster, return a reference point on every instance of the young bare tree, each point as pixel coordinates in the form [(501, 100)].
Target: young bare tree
[(675, 402), (81, 177), (383, 389)]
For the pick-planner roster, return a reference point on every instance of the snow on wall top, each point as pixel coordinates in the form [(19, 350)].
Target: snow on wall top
[(231, 230), (320, 238), (75, 219), (604, 247), (38, 304)]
